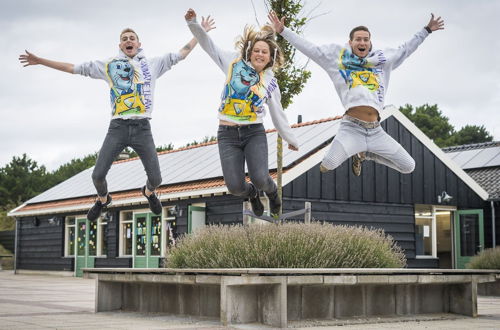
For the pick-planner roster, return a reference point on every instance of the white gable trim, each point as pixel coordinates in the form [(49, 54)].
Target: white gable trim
[(389, 111), (440, 154)]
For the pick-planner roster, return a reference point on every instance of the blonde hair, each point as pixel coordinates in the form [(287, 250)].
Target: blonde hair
[(250, 37), (128, 30)]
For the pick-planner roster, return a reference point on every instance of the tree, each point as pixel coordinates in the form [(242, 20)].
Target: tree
[(471, 134), (291, 77), (430, 120), (71, 168), (22, 179)]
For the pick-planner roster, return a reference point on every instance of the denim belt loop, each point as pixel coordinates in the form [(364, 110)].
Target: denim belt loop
[(362, 123)]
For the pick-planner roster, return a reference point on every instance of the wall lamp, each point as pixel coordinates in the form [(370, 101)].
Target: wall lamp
[(444, 198)]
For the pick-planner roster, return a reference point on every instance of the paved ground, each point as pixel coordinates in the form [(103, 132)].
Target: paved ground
[(50, 302)]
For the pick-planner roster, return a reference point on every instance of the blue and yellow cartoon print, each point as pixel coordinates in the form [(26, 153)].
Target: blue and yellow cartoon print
[(126, 90), (243, 93), (357, 71)]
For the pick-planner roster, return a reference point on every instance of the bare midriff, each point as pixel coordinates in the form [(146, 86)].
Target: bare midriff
[(364, 113), (227, 123)]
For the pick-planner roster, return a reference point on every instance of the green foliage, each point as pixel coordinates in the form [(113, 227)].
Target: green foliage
[(487, 259), (206, 139), (289, 245), (291, 77), (6, 263), (471, 134), (430, 120), (71, 168), (22, 179), (7, 223)]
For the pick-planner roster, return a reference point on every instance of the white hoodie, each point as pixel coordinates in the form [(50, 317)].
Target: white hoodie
[(131, 81), (358, 81), (245, 91)]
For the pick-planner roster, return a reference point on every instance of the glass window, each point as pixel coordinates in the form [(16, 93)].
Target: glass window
[(102, 237), (140, 236), (92, 237), (126, 234), (155, 235), (169, 228), (81, 238), (69, 237), (469, 235), (423, 236)]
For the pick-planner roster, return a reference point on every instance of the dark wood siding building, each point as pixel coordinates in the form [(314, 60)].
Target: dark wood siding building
[(406, 206)]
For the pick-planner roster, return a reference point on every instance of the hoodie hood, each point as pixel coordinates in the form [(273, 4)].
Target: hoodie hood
[(139, 56)]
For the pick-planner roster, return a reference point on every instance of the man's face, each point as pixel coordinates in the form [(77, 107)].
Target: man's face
[(129, 44), (360, 43)]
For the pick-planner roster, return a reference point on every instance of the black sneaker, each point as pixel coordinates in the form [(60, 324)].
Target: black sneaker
[(257, 206), (274, 203), (154, 202), (96, 210)]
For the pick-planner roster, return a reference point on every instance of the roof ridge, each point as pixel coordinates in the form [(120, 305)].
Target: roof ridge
[(472, 146)]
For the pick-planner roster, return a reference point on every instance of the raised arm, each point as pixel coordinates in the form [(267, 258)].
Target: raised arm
[(220, 57), (31, 59), (323, 55), (397, 56), (206, 23)]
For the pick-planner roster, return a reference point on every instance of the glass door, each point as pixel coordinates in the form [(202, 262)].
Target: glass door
[(147, 240), (469, 235), (85, 241)]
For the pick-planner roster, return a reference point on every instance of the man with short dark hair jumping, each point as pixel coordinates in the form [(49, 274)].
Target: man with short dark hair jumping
[(361, 76)]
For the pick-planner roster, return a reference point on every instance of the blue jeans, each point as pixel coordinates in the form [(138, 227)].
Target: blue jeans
[(238, 144), (134, 133)]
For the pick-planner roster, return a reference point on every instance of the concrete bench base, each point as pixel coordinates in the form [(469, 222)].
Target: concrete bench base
[(275, 297), (489, 288)]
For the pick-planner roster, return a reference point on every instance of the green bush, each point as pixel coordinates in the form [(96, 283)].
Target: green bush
[(289, 245), (6, 263), (487, 259)]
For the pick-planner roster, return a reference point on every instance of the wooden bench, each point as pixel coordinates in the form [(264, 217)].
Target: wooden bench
[(276, 296)]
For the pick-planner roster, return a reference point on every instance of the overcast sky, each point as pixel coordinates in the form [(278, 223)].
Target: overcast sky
[(54, 117)]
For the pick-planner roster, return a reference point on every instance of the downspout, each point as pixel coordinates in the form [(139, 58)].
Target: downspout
[(492, 203), (16, 249)]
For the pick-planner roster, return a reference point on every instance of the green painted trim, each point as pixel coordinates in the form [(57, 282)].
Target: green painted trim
[(461, 261), (192, 208), (147, 260)]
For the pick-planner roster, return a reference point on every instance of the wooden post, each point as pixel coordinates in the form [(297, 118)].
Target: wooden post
[(246, 218), (307, 215)]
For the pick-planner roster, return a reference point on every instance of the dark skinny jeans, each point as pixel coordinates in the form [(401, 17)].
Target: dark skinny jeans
[(134, 133), (238, 144)]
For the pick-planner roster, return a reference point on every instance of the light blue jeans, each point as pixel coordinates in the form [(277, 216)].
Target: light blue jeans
[(353, 138)]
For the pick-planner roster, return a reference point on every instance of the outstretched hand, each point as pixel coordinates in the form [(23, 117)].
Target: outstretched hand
[(294, 148), (436, 24), (190, 14), (29, 59), (278, 24), (207, 23)]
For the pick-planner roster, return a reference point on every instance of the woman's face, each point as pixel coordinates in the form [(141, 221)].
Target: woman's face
[(260, 56)]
